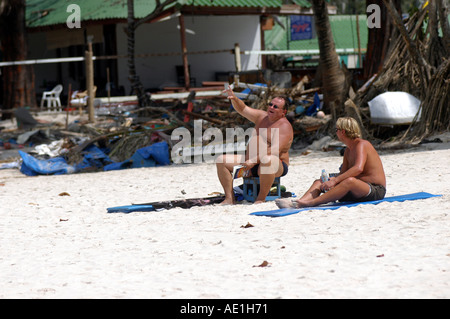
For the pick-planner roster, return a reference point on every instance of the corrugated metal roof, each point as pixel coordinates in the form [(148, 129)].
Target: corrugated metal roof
[(50, 12), (41, 13)]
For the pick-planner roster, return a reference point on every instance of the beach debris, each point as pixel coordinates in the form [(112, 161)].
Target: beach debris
[(7, 165), (379, 256), (24, 119), (394, 108), (247, 226), (435, 140), (265, 263), (122, 129), (215, 194), (64, 194), (306, 152)]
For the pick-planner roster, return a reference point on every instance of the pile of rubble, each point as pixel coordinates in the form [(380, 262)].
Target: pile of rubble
[(125, 135)]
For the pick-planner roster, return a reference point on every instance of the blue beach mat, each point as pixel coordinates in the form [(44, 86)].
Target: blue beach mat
[(131, 208), (290, 211)]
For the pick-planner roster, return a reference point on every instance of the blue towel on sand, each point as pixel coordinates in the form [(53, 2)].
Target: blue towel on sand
[(131, 208), (290, 211)]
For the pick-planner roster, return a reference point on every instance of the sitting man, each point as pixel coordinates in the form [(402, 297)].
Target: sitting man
[(361, 177), (267, 154)]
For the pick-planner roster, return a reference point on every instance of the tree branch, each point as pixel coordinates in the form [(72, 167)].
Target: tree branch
[(421, 64), (158, 9), (442, 11)]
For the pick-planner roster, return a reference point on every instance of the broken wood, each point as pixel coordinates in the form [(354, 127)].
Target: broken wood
[(204, 117)]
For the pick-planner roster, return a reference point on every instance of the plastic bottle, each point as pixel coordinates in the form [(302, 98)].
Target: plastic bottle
[(324, 177)]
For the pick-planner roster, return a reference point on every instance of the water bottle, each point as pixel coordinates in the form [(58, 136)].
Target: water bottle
[(324, 177)]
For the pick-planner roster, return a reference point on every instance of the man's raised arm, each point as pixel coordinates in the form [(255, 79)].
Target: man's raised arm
[(249, 113)]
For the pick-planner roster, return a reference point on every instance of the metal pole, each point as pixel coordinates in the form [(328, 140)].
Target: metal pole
[(187, 76), (90, 83)]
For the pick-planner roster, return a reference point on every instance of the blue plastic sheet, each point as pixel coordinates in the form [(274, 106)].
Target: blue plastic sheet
[(55, 166), (93, 157), (154, 155), (315, 107)]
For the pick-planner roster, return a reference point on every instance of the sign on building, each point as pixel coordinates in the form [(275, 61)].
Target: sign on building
[(302, 27)]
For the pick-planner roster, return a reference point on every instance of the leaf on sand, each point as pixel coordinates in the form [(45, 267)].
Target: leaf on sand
[(247, 226), (265, 263)]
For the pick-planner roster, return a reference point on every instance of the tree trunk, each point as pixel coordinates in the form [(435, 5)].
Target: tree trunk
[(379, 40), (136, 84), (445, 27), (333, 78), (18, 80)]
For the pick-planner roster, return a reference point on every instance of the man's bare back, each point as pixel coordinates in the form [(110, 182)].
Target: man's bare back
[(373, 171), (361, 177)]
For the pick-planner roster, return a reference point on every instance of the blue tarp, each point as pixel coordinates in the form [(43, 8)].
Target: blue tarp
[(154, 155), (32, 166), (93, 157), (315, 107)]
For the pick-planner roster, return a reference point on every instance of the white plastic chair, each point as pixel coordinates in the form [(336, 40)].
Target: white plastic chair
[(52, 98), (80, 99)]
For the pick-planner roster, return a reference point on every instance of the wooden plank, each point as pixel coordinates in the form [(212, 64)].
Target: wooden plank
[(214, 83)]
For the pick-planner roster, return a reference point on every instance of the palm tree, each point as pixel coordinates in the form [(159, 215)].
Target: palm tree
[(333, 77), (133, 23), (18, 80)]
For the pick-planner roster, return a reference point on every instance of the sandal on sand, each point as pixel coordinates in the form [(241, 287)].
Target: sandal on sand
[(286, 203)]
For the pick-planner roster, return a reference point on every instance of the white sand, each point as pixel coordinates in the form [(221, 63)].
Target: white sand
[(69, 246)]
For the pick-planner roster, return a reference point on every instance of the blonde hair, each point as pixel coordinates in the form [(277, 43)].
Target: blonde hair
[(350, 126)]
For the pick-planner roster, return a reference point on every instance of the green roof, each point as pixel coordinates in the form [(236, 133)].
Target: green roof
[(40, 13), (343, 28), (90, 10)]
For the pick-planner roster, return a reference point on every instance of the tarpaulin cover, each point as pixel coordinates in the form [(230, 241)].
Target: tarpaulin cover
[(154, 155), (32, 166), (93, 157)]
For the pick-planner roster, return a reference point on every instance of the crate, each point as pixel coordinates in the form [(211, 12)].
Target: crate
[(251, 188)]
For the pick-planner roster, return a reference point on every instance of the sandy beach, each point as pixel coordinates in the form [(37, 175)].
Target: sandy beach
[(56, 246)]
